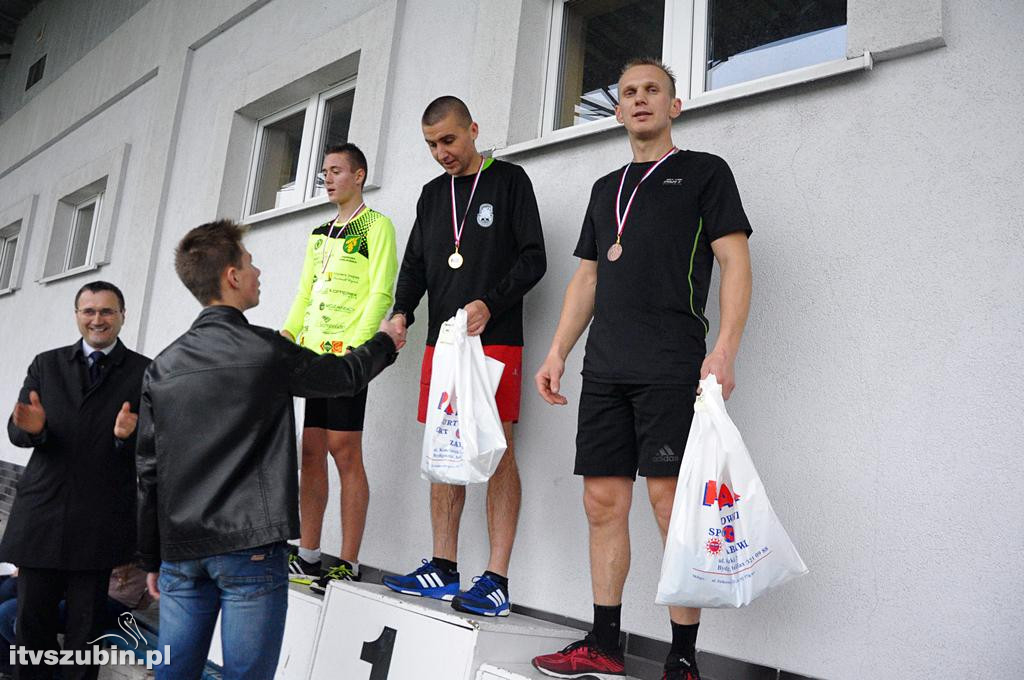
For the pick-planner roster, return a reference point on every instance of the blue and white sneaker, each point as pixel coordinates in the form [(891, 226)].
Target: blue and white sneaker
[(427, 581), (486, 598)]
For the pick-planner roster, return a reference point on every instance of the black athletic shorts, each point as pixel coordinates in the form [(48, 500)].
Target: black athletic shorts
[(624, 429), (341, 414)]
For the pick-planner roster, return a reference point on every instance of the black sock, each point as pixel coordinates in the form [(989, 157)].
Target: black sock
[(606, 626), (498, 578), (445, 565), (684, 640)]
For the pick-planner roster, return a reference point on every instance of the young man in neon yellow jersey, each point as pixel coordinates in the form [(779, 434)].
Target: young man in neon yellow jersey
[(344, 293)]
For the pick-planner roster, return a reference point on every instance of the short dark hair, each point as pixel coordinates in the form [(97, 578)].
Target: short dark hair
[(356, 157), (96, 287), (656, 63), (203, 255), (444, 106)]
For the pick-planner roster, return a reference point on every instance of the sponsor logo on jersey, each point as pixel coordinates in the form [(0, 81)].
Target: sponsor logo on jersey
[(333, 346), (485, 216), (673, 181), (317, 243), (352, 244)]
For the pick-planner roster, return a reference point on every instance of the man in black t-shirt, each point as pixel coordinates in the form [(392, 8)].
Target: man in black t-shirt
[(647, 248), (476, 244)]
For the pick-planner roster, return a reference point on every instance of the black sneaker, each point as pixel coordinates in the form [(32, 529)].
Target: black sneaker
[(679, 668), (342, 572), (302, 572)]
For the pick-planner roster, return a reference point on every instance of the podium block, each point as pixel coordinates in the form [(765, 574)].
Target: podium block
[(304, 609), (368, 632)]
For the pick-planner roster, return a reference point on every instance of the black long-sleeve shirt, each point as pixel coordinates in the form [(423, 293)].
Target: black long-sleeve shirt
[(502, 246)]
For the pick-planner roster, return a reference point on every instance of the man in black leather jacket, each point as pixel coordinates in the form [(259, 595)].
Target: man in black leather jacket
[(218, 491)]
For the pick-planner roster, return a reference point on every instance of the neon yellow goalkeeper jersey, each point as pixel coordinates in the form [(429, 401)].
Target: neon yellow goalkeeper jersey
[(347, 284)]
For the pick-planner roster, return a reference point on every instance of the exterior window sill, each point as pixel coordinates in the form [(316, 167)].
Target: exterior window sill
[(733, 92), (69, 273), (285, 211), (268, 215)]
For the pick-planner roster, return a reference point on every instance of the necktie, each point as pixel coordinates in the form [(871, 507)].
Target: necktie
[(94, 367)]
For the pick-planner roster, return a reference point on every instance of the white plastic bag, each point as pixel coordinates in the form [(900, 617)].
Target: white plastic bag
[(725, 545), (463, 441)]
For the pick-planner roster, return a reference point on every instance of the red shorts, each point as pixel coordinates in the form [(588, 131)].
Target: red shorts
[(509, 388)]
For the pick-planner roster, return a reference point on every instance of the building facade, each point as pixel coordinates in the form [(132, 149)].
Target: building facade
[(877, 153)]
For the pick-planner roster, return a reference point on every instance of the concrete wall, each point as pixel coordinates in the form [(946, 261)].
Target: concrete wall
[(63, 30), (880, 371)]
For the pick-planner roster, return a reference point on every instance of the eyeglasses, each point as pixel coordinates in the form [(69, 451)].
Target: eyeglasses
[(105, 313)]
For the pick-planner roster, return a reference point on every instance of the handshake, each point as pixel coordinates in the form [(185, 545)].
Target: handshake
[(395, 328)]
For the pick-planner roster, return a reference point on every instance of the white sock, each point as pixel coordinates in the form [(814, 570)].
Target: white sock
[(355, 566), (309, 554)]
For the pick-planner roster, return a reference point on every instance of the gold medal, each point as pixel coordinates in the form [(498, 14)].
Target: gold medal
[(615, 252), (455, 260)]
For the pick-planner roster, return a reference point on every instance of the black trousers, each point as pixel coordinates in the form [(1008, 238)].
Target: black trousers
[(39, 594)]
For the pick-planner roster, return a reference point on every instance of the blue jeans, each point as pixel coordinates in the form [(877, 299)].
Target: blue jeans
[(250, 589)]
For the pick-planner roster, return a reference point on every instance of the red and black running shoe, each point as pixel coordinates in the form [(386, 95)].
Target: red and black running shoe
[(678, 668), (583, 659)]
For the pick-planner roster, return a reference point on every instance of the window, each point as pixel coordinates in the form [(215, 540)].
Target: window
[(80, 221), (83, 232), (8, 249), (710, 44), (35, 72), (289, 149)]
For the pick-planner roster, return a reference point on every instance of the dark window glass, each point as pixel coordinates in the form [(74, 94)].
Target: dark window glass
[(81, 236), (599, 36), (35, 72), (750, 39), (278, 163), (337, 117), (7, 249)]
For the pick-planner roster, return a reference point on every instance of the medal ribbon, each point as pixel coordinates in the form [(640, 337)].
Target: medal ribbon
[(456, 227), (621, 221), (328, 250)]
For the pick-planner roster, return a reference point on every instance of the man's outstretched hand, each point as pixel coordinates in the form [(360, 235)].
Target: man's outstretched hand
[(30, 417)]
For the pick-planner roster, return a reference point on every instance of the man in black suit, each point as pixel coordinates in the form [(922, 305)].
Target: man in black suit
[(73, 518)]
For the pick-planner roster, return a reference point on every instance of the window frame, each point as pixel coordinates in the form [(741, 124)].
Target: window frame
[(313, 133), (320, 131), (5, 240), (684, 49), (76, 225), (22, 213)]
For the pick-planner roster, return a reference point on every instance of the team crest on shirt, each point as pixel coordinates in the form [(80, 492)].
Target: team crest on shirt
[(485, 216), (317, 243), (352, 244)]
